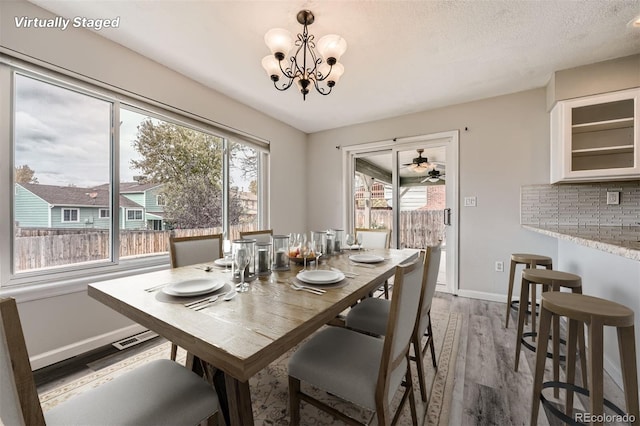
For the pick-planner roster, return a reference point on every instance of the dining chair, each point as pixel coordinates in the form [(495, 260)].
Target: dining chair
[(371, 316), (362, 369), (375, 239), (191, 250), (160, 392), (263, 236)]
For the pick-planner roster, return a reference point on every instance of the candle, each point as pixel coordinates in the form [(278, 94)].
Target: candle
[(263, 260), (280, 259)]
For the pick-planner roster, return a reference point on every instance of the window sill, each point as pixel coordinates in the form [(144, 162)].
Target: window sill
[(76, 282)]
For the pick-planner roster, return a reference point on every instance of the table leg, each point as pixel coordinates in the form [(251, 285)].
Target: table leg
[(239, 395)]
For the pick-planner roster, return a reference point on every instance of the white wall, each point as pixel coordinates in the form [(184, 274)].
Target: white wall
[(64, 325), (506, 146), (610, 277)]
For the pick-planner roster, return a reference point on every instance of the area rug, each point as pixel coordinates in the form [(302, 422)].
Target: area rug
[(269, 388)]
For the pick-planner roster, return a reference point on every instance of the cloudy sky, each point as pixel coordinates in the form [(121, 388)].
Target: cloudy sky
[(64, 136)]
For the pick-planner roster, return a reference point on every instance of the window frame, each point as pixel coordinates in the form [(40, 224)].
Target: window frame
[(69, 209), (74, 277), (104, 216), (134, 210), (158, 198)]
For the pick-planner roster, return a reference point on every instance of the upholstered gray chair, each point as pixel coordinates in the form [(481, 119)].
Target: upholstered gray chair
[(186, 251), (371, 316), (359, 368), (158, 393), (375, 239)]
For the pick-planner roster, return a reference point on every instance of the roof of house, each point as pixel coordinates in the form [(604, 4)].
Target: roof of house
[(131, 187), (75, 196)]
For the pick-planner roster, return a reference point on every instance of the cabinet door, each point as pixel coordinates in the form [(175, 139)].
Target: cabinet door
[(596, 138)]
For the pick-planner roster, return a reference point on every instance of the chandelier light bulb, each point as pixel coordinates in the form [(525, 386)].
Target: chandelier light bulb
[(272, 66), (332, 47), (279, 41), (336, 73)]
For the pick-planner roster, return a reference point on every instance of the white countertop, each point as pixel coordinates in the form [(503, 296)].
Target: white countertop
[(620, 240)]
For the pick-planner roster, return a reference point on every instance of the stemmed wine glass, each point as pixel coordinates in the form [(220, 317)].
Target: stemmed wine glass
[(306, 248), (319, 242), (350, 240), (241, 259)]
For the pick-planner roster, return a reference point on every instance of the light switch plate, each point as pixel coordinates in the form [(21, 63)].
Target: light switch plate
[(469, 201), (613, 197)]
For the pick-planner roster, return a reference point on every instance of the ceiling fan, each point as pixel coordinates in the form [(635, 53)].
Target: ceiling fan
[(419, 164), (433, 176)]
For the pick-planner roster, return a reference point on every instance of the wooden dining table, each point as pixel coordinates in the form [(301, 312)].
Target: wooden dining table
[(244, 335)]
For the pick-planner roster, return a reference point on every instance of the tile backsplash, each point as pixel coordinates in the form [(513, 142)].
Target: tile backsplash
[(580, 204)]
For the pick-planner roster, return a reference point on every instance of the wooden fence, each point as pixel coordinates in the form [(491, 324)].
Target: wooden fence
[(37, 248), (419, 228)]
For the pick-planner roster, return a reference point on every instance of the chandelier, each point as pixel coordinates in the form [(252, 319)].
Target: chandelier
[(304, 68)]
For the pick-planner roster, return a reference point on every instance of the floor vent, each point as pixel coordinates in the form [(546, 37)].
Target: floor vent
[(135, 339)]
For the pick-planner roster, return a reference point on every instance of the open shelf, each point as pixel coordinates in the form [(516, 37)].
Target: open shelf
[(621, 149), (599, 126)]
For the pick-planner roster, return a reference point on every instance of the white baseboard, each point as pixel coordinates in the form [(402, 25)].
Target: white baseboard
[(493, 297), (77, 348)]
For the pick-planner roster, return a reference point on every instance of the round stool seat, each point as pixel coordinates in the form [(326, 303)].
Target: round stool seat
[(585, 308), (530, 258), (552, 278)]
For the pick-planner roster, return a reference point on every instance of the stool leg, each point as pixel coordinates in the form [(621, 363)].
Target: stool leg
[(522, 313), (533, 311), (541, 355), (627, 347), (571, 363), (556, 353), (512, 274), (581, 346), (596, 345)]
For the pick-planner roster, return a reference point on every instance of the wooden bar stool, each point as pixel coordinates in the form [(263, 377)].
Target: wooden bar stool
[(529, 261), (595, 313), (550, 281)]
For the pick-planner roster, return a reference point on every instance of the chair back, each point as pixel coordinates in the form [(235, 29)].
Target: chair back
[(19, 404), (191, 250), (403, 313), (263, 236), (431, 280), (373, 238)]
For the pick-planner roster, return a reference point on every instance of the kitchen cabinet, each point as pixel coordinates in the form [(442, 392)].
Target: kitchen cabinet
[(596, 138)]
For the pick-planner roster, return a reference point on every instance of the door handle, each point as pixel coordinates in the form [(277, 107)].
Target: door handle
[(447, 216)]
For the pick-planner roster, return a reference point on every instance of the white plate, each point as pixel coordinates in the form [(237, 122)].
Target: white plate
[(366, 258), (320, 277), (353, 247), (223, 262), (193, 287)]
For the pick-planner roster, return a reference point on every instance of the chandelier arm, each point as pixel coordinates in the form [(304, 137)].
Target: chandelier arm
[(285, 86), (322, 90)]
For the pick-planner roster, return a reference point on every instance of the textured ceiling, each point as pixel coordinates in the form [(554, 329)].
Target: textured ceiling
[(402, 56)]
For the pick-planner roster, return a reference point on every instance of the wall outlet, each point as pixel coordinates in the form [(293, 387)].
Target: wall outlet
[(499, 266), (469, 201), (613, 197)]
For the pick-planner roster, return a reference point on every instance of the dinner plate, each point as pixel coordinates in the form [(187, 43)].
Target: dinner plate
[(223, 262), (366, 258), (193, 287), (320, 277)]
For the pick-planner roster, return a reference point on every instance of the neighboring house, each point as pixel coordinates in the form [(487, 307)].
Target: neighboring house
[(150, 197), (50, 206)]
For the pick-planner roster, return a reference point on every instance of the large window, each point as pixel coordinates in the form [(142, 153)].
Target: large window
[(177, 176)]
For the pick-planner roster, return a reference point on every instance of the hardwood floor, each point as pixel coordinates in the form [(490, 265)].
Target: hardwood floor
[(487, 390)]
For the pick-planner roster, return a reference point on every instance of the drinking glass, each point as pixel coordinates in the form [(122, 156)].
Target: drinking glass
[(306, 248), (241, 257), (350, 240), (319, 239)]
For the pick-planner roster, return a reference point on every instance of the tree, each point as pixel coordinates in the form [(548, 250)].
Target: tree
[(189, 164), (24, 174), (253, 186)]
